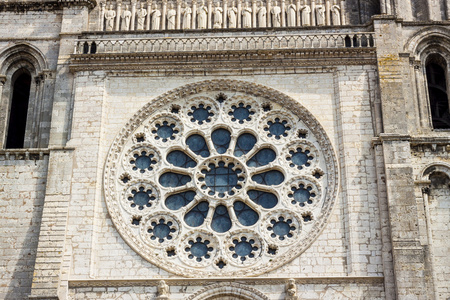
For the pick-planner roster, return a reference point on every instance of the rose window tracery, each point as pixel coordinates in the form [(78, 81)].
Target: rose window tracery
[(222, 178)]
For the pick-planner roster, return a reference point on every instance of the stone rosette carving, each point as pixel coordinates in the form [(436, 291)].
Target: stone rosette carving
[(177, 215)]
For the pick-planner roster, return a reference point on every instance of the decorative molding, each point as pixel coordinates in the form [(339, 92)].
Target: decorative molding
[(213, 61), (24, 154), (230, 289), (49, 5), (84, 283), (225, 43), (218, 52)]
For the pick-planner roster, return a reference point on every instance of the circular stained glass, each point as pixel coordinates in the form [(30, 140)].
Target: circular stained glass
[(235, 185)]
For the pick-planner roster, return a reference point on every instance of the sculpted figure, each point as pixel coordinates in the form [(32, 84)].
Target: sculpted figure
[(202, 16), (141, 13), (276, 15), (163, 290), (291, 15), (218, 16), (262, 15), (110, 15), (171, 16), (156, 18), (246, 16), (291, 290), (320, 15), (336, 15), (232, 12), (126, 16), (306, 15), (187, 16)]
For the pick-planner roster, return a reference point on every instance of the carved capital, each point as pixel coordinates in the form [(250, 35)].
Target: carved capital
[(2, 80), (39, 78), (426, 190)]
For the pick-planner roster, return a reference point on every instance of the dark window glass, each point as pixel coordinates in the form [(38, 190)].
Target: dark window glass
[(265, 199), (271, 177), (262, 158), (245, 214), (196, 216), (221, 220), (180, 159), (171, 179), (19, 111), (221, 139), (198, 145), (244, 144), (177, 201), (437, 90)]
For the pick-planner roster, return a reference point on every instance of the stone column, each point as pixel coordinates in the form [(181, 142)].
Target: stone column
[(208, 24), (149, 15), (133, 15), (403, 10), (118, 12), (342, 6), (48, 89), (164, 15), (194, 14), (283, 13), (178, 24), (269, 14), (3, 111), (434, 10), (313, 13), (254, 13), (327, 12), (298, 14), (225, 14), (422, 96), (31, 139), (447, 5), (102, 16), (239, 12)]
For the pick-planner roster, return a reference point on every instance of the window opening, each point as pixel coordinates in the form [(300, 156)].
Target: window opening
[(437, 91), (19, 111)]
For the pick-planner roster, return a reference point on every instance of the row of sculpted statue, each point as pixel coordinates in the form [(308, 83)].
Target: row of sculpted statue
[(181, 15)]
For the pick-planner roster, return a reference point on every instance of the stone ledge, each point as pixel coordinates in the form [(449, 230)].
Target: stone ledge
[(49, 5), (215, 60), (75, 283), (24, 154)]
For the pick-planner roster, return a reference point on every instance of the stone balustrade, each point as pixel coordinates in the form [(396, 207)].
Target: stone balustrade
[(225, 43), (219, 14)]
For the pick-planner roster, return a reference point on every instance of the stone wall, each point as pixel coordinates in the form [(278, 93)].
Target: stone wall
[(339, 98), (22, 193)]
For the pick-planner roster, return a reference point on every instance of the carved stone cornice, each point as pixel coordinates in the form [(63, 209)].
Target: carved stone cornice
[(215, 60), (44, 5), (371, 280)]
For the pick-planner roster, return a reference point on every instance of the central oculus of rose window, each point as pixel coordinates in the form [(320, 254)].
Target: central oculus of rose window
[(221, 178)]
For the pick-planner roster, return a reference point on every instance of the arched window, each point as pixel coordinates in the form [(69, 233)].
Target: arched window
[(19, 109), (25, 100), (437, 90)]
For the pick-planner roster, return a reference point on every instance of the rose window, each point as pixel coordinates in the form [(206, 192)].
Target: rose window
[(216, 178)]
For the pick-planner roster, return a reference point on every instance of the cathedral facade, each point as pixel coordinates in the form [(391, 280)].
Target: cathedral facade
[(291, 149)]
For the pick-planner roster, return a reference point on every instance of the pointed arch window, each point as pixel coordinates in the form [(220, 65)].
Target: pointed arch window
[(19, 109), (437, 91)]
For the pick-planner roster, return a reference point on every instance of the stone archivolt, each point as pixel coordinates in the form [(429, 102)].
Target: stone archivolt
[(233, 186), (185, 15)]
